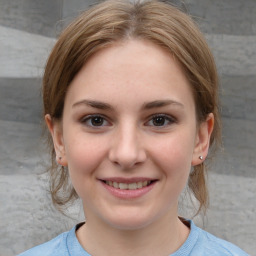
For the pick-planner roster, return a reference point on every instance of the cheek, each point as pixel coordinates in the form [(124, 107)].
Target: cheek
[(84, 153), (174, 155), (83, 156)]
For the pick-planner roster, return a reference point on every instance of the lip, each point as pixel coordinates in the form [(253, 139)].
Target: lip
[(127, 180), (126, 193)]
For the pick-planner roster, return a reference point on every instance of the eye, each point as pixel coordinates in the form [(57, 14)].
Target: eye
[(161, 120), (95, 121)]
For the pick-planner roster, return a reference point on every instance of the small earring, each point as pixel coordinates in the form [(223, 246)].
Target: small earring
[(59, 158), (201, 158)]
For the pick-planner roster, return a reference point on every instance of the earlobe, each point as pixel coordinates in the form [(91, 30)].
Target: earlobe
[(55, 129), (202, 142)]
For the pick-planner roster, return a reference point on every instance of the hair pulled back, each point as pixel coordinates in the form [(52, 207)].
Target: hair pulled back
[(112, 21)]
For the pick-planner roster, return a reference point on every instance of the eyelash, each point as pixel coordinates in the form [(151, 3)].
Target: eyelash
[(167, 118), (152, 118), (88, 118)]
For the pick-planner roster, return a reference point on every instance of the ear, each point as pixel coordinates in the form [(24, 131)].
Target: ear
[(57, 137), (202, 142)]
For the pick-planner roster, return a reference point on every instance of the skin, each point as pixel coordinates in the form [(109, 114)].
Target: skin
[(130, 138)]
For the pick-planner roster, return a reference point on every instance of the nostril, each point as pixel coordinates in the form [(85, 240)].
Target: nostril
[(126, 151)]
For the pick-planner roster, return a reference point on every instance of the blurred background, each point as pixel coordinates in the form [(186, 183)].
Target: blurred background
[(28, 30)]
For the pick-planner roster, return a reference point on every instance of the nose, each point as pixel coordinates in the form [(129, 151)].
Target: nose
[(126, 149)]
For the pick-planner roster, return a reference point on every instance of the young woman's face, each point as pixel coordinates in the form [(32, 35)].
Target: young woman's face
[(129, 135)]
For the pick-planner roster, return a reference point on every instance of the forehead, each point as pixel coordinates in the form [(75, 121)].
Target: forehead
[(129, 70)]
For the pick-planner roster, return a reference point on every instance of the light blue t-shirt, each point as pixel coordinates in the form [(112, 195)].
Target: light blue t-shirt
[(198, 243)]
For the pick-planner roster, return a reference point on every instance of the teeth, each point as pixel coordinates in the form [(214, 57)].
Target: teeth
[(139, 184), (115, 185), (132, 186), (123, 185), (129, 186)]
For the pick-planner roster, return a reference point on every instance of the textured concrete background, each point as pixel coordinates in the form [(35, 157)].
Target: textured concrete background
[(27, 32)]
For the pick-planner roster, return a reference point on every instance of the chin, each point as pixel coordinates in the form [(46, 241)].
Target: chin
[(132, 221), (129, 225)]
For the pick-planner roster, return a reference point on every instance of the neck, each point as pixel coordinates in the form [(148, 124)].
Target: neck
[(162, 237)]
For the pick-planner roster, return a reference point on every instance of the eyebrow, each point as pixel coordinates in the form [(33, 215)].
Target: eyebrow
[(146, 106), (94, 104), (161, 103)]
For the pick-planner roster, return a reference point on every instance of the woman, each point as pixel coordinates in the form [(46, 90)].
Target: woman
[(131, 102)]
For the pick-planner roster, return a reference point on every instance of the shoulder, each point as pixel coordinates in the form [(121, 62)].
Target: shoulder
[(212, 245), (54, 247)]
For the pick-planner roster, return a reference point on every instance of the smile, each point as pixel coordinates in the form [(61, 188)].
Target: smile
[(128, 189), (128, 186)]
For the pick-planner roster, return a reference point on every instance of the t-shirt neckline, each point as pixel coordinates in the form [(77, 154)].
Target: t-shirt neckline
[(75, 248)]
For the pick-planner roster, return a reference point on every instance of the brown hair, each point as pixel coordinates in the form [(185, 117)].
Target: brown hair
[(112, 21)]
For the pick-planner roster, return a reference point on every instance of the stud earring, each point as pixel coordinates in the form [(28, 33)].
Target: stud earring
[(59, 160), (201, 158)]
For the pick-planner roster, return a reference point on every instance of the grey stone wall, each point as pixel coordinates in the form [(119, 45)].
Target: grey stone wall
[(27, 32)]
